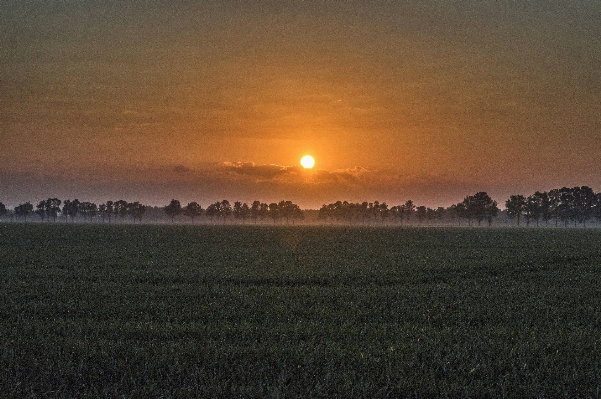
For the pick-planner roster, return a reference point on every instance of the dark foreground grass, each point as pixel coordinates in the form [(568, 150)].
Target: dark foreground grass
[(168, 311)]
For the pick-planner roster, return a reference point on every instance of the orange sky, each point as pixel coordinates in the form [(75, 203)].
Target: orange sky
[(204, 101)]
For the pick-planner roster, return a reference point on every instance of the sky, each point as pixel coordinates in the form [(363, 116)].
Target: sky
[(202, 101)]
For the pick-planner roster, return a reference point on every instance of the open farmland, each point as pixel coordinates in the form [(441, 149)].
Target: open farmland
[(224, 311)]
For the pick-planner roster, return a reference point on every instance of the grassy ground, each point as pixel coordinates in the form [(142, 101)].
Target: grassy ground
[(181, 311)]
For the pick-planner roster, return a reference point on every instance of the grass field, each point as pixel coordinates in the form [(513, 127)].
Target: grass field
[(182, 311)]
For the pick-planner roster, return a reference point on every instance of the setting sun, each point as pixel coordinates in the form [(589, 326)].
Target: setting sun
[(307, 161)]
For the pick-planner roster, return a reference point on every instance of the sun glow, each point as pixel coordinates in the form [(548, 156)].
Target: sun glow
[(307, 161)]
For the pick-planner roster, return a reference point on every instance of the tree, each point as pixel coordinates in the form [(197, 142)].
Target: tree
[(70, 209), (136, 210), (24, 210), (3, 210), (213, 210), (297, 214), (544, 202), (193, 210), (173, 209), (288, 211), (225, 210), (584, 203), (53, 207), (324, 212), (480, 206), (244, 211), (237, 211), (263, 211), (120, 208), (48, 208), (491, 212), (102, 211), (421, 213), (453, 213), (109, 210), (532, 211), (566, 205), (430, 215), (383, 211), (408, 209), (461, 212), (597, 209), (254, 210), (440, 213), (41, 209), (554, 204), (274, 211), (88, 210)]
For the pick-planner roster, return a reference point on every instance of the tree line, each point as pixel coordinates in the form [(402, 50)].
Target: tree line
[(283, 210), (564, 206), (474, 208), (53, 209), (576, 205)]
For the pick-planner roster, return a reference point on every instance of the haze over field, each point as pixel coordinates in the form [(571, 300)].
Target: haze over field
[(429, 101)]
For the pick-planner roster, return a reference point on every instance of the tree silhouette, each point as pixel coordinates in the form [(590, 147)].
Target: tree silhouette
[(554, 204), (274, 211), (532, 210), (566, 205), (430, 215), (41, 209), (515, 206), (120, 208), (421, 213), (584, 203), (288, 211), (225, 210), (48, 209), (237, 211), (173, 209), (88, 210), (408, 209), (383, 212), (213, 210), (53, 207), (193, 210), (263, 211), (597, 209), (254, 210), (136, 210), (544, 204), (480, 207), (70, 209), (440, 213), (24, 210), (244, 212), (3, 210), (107, 210), (241, 211)]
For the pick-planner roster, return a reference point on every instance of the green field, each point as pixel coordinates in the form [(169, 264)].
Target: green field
[(240, 311)]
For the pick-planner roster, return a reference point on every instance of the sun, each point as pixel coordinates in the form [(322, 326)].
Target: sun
[(307, 161)]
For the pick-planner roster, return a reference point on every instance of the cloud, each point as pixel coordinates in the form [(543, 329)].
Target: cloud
[(181, 169), (259, 172)]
